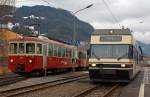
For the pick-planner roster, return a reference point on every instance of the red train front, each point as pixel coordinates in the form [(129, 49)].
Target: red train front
[(32, 54)]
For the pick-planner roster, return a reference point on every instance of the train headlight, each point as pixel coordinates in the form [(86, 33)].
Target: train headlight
[(93, 65), (123, 65), (11, 60), (30, 61)]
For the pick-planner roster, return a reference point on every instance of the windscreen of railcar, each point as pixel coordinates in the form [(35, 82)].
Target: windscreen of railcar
[(19, 48), (30, 48), (111, 51)]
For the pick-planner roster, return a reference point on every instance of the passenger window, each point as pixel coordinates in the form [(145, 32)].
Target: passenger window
[(63, 52), (68, 52), (81, 55), (55, 50), (50, 50), (39, 49), (59, 52)]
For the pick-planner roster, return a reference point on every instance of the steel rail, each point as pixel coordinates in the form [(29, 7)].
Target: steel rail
[(9, 79), (27, 89), (110, 91), (88, 91)]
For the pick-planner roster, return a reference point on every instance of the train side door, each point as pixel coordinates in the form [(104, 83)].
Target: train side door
[(44, 56), (74, 57)]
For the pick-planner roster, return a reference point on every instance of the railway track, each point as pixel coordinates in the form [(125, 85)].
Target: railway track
[(2, 76), (9, 79), (28, 89), (98, 91)]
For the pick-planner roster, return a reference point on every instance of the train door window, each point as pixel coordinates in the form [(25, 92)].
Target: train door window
[(55, 50), (137, 58), (135, 54), (45, 50), (39, 49), (21, 48), (50, 50), (30, 48), (81, 55), (75, 54), (13, 48), (130, 54)]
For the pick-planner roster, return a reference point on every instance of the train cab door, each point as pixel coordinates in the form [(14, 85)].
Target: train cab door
[(45, 56)]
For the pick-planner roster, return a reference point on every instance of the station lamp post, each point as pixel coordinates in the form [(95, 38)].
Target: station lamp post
[(74, 29), (74, 22)]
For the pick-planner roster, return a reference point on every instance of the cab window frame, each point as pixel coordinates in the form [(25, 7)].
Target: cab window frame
[(15, 50)]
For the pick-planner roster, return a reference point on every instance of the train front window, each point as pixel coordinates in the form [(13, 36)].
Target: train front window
[(111, 51), (21, 48), (13, 48), (30, 48)]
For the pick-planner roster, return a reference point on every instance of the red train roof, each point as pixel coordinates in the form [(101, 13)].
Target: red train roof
[(40, 39)]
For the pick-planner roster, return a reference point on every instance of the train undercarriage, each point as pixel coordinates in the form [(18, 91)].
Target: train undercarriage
[(111, 75)]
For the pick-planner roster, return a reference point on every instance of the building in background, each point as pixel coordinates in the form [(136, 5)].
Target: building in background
[(5, 36), (7, 9)]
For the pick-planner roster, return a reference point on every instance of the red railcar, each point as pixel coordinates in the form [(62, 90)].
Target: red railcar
[(32, 54)]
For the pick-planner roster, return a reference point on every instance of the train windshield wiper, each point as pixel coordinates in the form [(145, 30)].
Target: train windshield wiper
[(93, 52), (122, 56)]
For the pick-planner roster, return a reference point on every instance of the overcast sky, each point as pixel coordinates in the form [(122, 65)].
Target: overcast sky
[(134, 14)]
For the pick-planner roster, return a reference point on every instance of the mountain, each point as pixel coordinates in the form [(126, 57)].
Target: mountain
[(56, 23), (145, 48)]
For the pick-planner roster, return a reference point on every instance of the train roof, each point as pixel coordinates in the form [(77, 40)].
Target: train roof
[(41, 39), (112, 32)]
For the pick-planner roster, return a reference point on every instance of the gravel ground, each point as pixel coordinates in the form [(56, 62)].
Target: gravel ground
[(101, 91), (65, 90), (33, 81), (97, 92), (116, 93)]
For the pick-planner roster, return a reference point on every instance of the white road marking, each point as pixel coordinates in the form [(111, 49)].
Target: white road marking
[(145, 81), (141, 92)]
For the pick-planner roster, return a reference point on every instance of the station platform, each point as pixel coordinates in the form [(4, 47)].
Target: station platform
[(145, 86), (140, 86)]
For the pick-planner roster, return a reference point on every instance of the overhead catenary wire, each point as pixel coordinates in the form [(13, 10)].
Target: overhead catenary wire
[(34, 0), (45, 1), (110, 11)]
